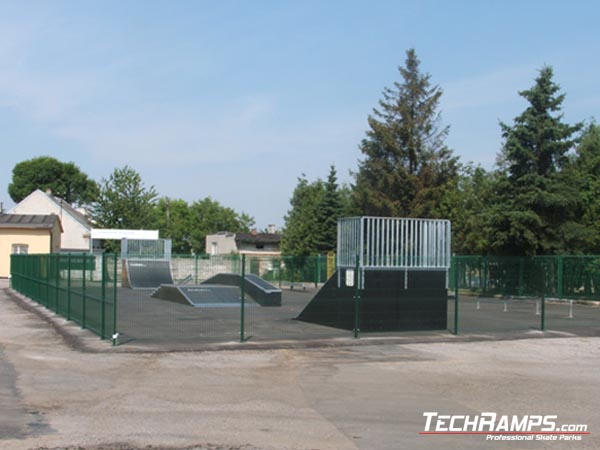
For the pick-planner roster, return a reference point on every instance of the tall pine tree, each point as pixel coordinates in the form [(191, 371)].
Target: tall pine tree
[(536, 201), (329, 210), (407, 169)]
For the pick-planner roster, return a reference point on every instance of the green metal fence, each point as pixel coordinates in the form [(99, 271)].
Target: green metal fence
[(79, 287), (562, 277), (491, 295)]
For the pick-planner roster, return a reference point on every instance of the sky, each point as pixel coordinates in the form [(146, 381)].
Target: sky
[(237, 99)]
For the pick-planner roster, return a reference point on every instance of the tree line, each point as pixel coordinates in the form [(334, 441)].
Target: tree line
[(123, 201), (541, 197)]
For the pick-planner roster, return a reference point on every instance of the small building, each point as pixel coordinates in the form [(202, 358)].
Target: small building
[(76, 235), (26, 233), (252, 244)]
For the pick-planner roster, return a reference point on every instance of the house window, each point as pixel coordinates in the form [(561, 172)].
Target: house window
[(214, 248), (20, 249)]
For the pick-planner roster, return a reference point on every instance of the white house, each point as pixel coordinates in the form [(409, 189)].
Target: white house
[(76, 228)]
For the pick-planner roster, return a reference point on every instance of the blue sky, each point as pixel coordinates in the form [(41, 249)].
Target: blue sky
[(234, 100)]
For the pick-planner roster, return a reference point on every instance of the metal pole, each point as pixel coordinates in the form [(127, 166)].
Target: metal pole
[(83, 293), (543, 318), (69, 287), (356, 299), (103, 312), (115, 332), (559, 276), (456, 274), (196, 269), (318, 270), (242, 298), (570, 309)]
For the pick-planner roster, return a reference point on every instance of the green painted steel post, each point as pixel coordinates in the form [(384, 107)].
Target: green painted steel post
[(356, 298), (292, 269), (521, 276), (56, 268), (543, 312), (456, 277), (242, 298), (103, 312), (114, 330), (83, 294), (485, 274), (559, 276), (317, 268), (69, 287), (281, 263)]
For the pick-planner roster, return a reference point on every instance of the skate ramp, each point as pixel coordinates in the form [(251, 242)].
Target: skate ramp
[(261, 291), (205, 295), (147, 274)]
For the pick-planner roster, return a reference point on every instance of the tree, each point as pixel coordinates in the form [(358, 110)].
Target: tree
[(65, 180), (173, 220), (467, 206), (328, 211), (584, 171), (407, 167), (537, 201), (124, 202), (301, 230), (208, 216)]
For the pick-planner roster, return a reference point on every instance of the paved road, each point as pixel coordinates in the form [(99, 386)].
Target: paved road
[(368, 397)]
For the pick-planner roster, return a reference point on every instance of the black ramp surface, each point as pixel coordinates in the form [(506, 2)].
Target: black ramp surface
[(261, 291), (386, 303), (264, 285), (209, 294), (205, 295), (145, 274)]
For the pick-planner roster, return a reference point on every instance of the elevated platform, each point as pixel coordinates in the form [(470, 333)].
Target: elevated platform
[(261, 291), (389, 301)]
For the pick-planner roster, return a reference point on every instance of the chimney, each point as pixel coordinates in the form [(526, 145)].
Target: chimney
[(48, 191), (271, 229), (254, 232)]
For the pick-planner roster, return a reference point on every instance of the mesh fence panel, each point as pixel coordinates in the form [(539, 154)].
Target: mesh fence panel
[(71, 285)]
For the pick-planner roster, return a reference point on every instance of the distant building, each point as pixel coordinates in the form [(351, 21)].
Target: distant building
[(253, 244), (76, 235), (25, 233)]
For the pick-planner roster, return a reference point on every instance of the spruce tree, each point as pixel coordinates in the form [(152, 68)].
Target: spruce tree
[(329, 211), (302, 230), (536, 201), (407, 168)]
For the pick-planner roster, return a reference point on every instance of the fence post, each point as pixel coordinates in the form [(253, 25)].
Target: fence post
[(543, 318), (356, 298), (103, 312), (521, 276), (456, 278), (83, 293), (281, 265), (485, 274), (242, 298), (317, 270), (292, 270), (56, 280), (559, 277), (69, 286), (115, 333), (196, 269)]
